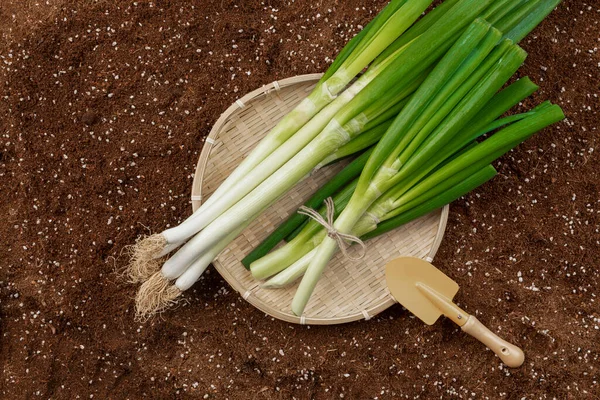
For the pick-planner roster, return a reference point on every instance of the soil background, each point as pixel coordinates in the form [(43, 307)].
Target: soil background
[(104, 107)]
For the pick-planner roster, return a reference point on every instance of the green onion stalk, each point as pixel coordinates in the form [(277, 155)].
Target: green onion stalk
[(333, 117), (422, 129)]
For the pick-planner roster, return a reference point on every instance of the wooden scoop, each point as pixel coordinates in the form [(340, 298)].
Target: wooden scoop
[(427, 292)]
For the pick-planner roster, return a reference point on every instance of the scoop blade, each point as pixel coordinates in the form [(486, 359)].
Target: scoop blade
[(402, 275)]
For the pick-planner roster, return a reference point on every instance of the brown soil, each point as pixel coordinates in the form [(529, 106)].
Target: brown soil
[(104, 108)]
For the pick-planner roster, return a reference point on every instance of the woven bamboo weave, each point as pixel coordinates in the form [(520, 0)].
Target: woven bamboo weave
[(348, 290)]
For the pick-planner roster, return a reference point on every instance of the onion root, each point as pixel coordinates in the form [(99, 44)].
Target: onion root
[(155, 295), (143, 258)]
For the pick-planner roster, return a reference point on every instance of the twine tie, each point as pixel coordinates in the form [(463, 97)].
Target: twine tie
[(339, 237)]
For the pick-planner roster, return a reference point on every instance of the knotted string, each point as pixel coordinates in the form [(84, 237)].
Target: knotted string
[(339, 237)]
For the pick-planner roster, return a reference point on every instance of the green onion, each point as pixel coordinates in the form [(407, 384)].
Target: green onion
[(384, 168), (400, 135), (455, 88), (467, 163), (431, 87), (457, 119)]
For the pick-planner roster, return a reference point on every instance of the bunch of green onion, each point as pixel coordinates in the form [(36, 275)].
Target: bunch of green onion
[(428, 93)]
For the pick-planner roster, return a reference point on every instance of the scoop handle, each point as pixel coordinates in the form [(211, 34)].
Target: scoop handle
[(510, 354)]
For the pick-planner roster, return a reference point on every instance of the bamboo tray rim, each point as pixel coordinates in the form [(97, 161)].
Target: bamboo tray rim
[(196, 198)]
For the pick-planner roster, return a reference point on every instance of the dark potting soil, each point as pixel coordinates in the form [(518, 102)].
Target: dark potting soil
[(104, 107)]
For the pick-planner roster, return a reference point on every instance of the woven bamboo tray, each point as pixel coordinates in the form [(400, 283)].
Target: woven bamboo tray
[(348, 290)]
